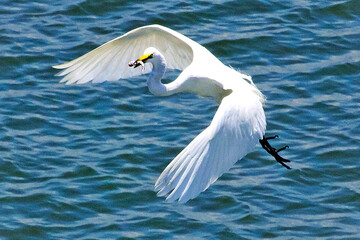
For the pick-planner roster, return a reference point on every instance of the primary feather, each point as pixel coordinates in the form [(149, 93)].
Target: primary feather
[(109, 61)]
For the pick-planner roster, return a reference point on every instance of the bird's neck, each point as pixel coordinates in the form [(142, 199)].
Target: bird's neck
[(154, 83)]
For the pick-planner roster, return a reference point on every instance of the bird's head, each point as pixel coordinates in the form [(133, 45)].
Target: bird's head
[(148, 54)]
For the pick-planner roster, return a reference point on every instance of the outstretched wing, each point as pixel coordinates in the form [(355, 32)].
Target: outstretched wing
[(235, 129), (110, 61)]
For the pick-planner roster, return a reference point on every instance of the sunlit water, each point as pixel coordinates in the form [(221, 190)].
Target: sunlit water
[(80, 161)]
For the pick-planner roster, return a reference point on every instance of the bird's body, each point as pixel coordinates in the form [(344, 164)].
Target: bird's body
[(237, 126)]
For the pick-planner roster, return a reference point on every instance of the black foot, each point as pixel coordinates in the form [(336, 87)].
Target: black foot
[(274, 152)]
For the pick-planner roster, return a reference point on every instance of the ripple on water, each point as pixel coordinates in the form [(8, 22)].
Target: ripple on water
[(79, 162)]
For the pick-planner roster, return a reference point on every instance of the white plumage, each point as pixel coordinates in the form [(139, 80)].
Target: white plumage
[(237, 126)]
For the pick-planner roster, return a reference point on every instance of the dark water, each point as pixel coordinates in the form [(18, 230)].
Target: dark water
[(80, 161)]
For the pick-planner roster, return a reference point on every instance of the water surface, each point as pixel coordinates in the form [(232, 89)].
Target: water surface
[(80, 161)]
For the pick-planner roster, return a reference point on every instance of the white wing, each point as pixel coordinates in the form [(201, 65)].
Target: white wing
[(110, 61), (235, 129)]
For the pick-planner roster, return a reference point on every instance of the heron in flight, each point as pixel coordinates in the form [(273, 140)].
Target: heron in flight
[(238, 125)]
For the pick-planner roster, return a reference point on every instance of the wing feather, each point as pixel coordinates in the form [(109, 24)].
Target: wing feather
[(175, 170), (110, 60), (234, 131)]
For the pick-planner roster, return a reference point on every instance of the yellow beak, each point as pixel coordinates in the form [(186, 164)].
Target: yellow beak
[(141, 61), (145, 57)]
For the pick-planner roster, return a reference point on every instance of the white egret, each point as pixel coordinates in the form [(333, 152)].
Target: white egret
[(237, 126)]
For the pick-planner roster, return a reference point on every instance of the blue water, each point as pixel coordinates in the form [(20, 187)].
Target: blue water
[(80, 161)]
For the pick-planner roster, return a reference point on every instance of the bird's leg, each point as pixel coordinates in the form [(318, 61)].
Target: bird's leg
[(273, 151)]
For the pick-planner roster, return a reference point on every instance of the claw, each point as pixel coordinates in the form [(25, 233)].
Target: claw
[(273, 137), (273, 151), (280, 149), (285, 160)]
